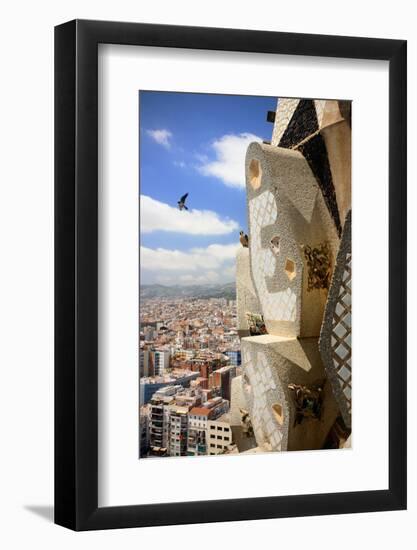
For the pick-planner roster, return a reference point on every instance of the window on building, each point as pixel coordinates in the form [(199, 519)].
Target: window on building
[(219, 437)]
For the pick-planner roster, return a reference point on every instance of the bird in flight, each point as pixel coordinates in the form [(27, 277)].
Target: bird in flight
[(181, 202), (244, 239)]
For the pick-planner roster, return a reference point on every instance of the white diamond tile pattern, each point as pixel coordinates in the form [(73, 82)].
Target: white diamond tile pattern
[(281, 305), (262, 394), (341, 335), (283, 115), (319, 105)]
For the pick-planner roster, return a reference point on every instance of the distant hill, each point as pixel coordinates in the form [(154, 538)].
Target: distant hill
[(227, 291)]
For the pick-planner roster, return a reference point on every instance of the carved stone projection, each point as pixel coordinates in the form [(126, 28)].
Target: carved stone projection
[(247, 428), (335, 337), (319, 266), (272, 365), (308, 401), (286, 211)]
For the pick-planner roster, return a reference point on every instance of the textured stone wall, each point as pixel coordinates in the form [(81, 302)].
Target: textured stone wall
[(285, 203), (247, 300), (237, 401), (270, 364)]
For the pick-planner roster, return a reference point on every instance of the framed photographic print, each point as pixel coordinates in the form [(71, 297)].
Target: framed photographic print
[(230, 338)]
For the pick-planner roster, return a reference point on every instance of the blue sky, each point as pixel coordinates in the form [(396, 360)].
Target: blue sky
[(195, 143)]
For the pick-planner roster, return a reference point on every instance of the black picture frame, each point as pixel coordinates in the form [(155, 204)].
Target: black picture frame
[(76, 272)]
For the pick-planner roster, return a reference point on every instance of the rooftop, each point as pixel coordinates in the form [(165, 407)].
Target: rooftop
[(171, 377), (200, 411), (223, 418), (224, 369)]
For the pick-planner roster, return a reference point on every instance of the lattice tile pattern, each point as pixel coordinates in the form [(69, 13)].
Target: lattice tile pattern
[(341, 334), (280, 305), (336, 331)]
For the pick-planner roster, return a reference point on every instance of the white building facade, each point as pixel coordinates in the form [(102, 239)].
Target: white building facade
[(219, 435), (161, 360)]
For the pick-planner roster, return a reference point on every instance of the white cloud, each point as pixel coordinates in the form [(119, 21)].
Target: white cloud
[(211, 277), (162, 136), (159, 216), (229, 165), (179, 163), (210, 265), (230, 271), (205, 260)]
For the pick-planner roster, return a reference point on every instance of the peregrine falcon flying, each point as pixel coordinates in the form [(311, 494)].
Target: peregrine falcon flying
[(181, 202)]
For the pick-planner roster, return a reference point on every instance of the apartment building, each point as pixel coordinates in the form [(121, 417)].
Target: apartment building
[(144, 431), (234, 356), (219, 435), (177, 430), (158, 428), (222, 378), (197, 430), (145, 363), (161, 358)]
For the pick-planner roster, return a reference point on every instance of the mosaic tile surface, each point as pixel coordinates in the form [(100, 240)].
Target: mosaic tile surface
[(315, 152), (284, 113), (336, 332), (246, 298), (297, 123), (280, 305), (302, 124), (341, 334), (262, 390)]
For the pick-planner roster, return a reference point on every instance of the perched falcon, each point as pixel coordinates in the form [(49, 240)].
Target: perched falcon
[(181, 202), (244, 240)]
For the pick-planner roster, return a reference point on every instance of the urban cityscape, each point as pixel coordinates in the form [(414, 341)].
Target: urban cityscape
[(189, 356)]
